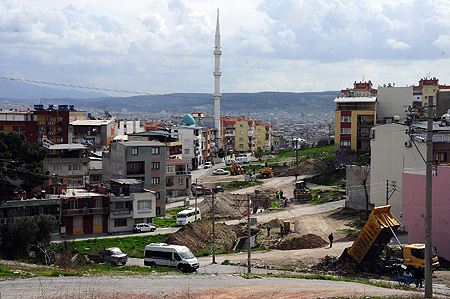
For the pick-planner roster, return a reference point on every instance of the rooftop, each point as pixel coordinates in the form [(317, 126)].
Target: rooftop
[(355, 100)]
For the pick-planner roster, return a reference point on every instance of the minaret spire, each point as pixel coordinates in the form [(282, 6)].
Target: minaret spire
[(217, 93)]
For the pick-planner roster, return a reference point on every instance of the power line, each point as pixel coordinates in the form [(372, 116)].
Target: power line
[(141, 93)]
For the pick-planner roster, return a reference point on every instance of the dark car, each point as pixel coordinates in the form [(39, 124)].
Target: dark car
[(207, 191), (217, 189)]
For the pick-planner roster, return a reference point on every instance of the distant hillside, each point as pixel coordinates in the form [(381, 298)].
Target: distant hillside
[(307, 102)]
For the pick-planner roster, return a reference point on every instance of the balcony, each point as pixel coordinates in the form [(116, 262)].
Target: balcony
[(85, 211), (121, 214), (365, 123)]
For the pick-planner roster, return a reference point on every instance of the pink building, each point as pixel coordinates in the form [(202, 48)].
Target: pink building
[(413, 215)]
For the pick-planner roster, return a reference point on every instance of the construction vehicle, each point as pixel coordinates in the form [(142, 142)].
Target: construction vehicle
[(374, 239), (236, 169), (266, 171), (301, 191)]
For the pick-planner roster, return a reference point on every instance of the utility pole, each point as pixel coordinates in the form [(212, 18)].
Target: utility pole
[(196, 186), (296, 157), (213, 231), (249, 269), (394, 188), (428, 203)]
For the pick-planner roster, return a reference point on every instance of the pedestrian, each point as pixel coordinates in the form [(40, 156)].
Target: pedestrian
[(281, 194), (418, 275), (330, 237), (281, 230), (278, 194), (268, 230)]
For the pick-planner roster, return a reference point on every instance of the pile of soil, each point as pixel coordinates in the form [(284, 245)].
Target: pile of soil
[(344, 264), (308, 167), (198, 236), (224, 206), (303, 242)]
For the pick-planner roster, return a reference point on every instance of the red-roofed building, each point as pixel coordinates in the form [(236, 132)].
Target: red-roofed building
[(361, 89)]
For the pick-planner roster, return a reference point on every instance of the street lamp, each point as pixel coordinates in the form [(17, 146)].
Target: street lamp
[(296, 156)]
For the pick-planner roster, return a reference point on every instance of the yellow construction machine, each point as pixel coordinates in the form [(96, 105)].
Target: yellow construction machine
[(236, 169), (301, 191)]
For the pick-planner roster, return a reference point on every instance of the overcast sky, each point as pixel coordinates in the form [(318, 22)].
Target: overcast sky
[(160, 46)]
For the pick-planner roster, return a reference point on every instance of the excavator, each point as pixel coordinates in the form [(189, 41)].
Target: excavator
[(236, 169), (301, 192)]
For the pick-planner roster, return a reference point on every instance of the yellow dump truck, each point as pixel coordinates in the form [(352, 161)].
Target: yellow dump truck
[(266, 171), (374, 239), (236, 169)]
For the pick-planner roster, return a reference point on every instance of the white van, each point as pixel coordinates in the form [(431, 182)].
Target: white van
[(176, 256), (242, 160), (187, 216)]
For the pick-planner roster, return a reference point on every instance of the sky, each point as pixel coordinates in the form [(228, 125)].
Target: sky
[(166, 46)]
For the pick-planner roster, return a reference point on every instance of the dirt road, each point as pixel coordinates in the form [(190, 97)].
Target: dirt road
[(187, 286)]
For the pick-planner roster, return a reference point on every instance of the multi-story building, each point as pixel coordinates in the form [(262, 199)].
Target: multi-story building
[(130, 204), (355, 116), (18, 122), (68, 164), (178, 177), (141, 160), (207, 140), (392, 102), (191, 137), (361, 89), (126, 126), (174, 146), (97, 133), (52, 124), (84, 211)]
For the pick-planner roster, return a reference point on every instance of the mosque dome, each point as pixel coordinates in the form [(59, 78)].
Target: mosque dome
[(188, 120)]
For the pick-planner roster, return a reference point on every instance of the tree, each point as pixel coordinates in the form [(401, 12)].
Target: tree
[(27, 234), (20, 165), (221, 153), (259, 154)]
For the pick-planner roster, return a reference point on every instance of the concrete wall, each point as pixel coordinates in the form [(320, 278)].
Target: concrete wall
[(389, 158), (413, 187), (393, 101), (356, 197)]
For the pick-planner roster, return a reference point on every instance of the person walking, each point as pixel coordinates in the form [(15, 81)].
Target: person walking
[(268, 230), (281, 194), (330, 237), (418, 275), (281, 230)]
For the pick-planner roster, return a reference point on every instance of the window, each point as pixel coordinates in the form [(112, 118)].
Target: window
[(16, 128), (144, 205), (2, 128), (135, 165), (241, 125), (346, 130), (74, 140), (241, 138), (259, 141), (365, 143), (345, 143), (155, 150), (441, 157), (119, 205), (59, 118), (120, 222), (241, 132), (73, 204), (77, 222), (74, 167), (365, 130), (155, 165), (97, 203), (241, 146), (170, 168), (23, 129), (155, 181), (134, 151), (186, 151), (346, 119), (180, 181), (138, 139), (98, 220), (57, 168), (59, 140), (158, 195)]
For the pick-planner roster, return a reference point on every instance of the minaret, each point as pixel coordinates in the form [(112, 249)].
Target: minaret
[(217, 93)]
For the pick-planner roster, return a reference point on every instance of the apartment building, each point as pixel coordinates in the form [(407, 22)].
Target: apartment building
[(360, 89), (130, 204), (178, 177), (67, 164), (354, 118), (141, 160), (96, 133), (193, 144)]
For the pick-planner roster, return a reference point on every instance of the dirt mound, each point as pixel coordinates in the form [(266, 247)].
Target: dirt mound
[(224, 206), (308, 167), (198, 235), (304, 242), (344, 264)]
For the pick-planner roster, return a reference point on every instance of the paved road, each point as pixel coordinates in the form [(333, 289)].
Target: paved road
[(186, 286)]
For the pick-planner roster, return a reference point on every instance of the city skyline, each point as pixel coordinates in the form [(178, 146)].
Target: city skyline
[(166, 47)]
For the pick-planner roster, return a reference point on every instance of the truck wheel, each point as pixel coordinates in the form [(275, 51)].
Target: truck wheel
[(152, 265), (367, 266), (379, 268)]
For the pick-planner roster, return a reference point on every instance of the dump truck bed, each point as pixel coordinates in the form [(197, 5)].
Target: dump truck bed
[(375, 235)]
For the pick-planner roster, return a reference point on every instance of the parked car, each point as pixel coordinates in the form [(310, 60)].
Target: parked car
[(229, 162), (217, 189), (207, 191), (143, 227), (113, 256), (220, 171), (208, 165)]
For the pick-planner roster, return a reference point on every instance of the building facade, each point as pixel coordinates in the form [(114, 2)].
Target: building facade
[(178, 178), (141, 160)]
